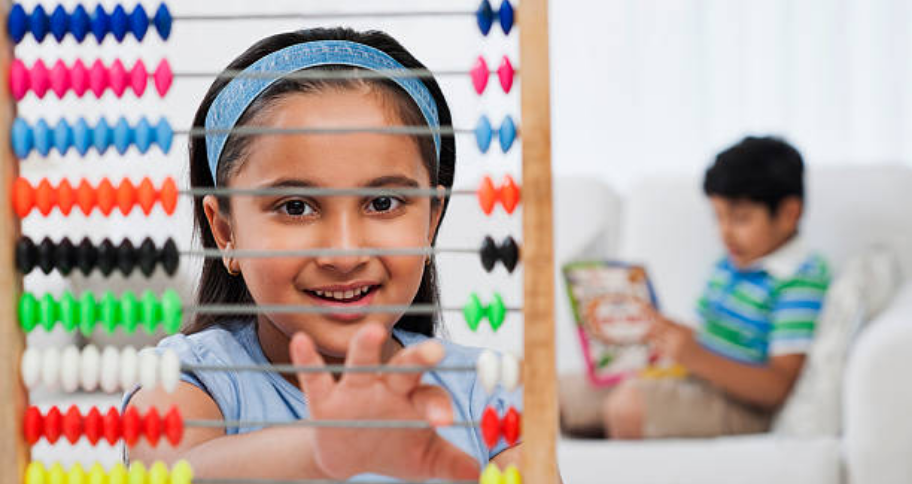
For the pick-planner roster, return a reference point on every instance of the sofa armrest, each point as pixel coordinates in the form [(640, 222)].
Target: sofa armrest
[(878, 396)]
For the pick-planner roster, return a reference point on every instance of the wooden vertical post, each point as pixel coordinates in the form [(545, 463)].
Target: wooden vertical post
[(539, 425)]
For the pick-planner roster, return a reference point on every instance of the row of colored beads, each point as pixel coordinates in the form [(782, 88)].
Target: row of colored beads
[(474, 311), (112, 426), (43, 138), (64, 256), (79, 23), (80, 79), (111, 370), (104, 196), (127, 312), (493, 427), (493, 369), (158, 473)]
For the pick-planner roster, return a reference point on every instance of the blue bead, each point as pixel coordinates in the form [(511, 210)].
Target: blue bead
[(63, 136), (101, 23), (506, 16), (123, 136), (17, 23), (143, 135), (139, 22), (39, 23), (82, 137), (44, 137), (60, 23), (164, 135), (507, 134), (483, 134), (119, 22), (79, 23), (23, 138), (101, 137), (484, 16), (163, 21)]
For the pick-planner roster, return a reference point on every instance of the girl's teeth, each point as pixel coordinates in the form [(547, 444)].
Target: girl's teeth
[(349, 294), (337, 294), (319, 293)]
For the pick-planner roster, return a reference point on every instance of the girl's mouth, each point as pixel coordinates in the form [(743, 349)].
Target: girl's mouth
[(343, 297), (351, 298)]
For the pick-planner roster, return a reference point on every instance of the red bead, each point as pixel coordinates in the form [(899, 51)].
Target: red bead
[(40, 79), (112, 426), (93, 426), (152, 425), (168, 195), (60, 79), (33, 425), (72, 424), (163, 77), (131, 426), (79, 78), (106, 196), (85, 197), (509, 194), (139, 78), (23, 197), (505, 73), (66, 197), (146, 196), (480, 75), (510, 426), (490, 427), (117, 77), (126, 196), (53, 422), (45, 197), (174, 426), (98, 78), (487, 195)]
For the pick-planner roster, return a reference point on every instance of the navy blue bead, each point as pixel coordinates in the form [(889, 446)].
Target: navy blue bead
[(79, 23), (23, 138), (484, 16), (101, 23), (119, 23), (163, 21), (17, 23), (39, 23), (60, 23), (82, 136), (506, 16), (139, 22)]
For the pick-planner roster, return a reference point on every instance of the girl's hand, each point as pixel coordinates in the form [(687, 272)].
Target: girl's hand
[(407, 453), (671, 340)]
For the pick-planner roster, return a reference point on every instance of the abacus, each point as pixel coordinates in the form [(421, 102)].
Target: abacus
[(110, 369)]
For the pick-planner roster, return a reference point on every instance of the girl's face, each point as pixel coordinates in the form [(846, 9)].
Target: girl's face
[(341, 222)]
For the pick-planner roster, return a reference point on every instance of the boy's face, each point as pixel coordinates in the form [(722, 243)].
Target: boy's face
[(748, 229)]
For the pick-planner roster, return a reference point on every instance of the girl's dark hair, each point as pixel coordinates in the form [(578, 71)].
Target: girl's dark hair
[(216, 285)]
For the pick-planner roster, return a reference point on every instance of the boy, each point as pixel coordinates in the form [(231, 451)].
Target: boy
[(757, 312)]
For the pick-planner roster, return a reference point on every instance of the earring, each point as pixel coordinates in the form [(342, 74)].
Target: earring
[(229, 262)]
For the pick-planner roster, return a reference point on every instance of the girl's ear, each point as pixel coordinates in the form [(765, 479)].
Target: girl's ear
[(219, 224), (436, 214)]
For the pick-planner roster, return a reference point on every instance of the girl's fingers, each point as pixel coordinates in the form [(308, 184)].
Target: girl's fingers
[(314, 385), (425, 354), (364, 350), (433, 402)]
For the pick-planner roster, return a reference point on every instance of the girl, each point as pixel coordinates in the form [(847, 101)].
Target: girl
[(302, 222)]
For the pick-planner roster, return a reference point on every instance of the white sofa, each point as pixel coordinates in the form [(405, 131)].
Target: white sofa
[(667, 224)]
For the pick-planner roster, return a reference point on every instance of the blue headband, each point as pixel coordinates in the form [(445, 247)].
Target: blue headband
[(234, 99)]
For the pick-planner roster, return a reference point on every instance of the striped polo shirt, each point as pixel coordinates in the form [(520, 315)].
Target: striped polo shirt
[(765, 310)]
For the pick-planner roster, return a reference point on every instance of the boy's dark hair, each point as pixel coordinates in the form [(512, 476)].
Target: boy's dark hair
[(765, 170)]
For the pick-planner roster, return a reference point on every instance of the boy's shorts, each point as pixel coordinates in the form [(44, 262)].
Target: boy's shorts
[(672, 408)]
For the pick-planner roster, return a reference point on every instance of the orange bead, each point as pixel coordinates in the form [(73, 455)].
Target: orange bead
[(168, 195), (66, 197), (45, 197), (509, 194), (126, 196), (146, 196), (23, 197), (487, 195), (85, 197), (106, 196)]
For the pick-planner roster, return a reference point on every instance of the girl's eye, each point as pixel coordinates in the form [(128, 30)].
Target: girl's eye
[(383, 204), (296, 208)]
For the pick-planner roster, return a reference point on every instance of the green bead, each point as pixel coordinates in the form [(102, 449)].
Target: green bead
[(28, 312), (88, 313), (151, 310), (47, 312), (172, 312), (473, 311), (129, 312), (109, 311), (496, 312), (69, 311)]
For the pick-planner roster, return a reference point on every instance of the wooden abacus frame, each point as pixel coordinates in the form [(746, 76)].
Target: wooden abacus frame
[(539, 422)]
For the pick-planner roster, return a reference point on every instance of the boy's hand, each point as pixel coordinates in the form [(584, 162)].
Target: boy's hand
[(407, 453), (672, 340)]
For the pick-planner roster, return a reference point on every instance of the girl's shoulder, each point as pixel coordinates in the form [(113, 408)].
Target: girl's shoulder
[(223, 344)]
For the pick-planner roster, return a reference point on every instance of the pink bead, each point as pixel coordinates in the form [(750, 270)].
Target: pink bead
[(505, 72), (40, 79), (60, 79), (117, 76), (79, 78), (480, 75), (98, 78), (19, 79), (139, 78), (163, 78)]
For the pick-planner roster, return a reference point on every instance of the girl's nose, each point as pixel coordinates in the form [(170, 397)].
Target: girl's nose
[(343, 232)]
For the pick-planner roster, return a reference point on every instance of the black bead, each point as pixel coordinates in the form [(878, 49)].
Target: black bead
[(148, 257), (169, 257), (26, 255), (126, 257), (107, 257), (86, 256), (509, 253), (489, 253), (65, 256), (46, 251)]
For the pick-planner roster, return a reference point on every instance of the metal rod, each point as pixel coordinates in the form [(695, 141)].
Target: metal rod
[(321, 252), (316, 74), (320, 15), (324, 192), (264, 130), (291, 369), (250, 309), (314, 481), (361, 424)]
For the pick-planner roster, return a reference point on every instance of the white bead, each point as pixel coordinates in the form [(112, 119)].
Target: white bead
[(509, 372), (69, 369), (169, 370), (50, 367), (110, 369), (488, 369), (88, 368), (129, 368), (31, 367), (148, 368)]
